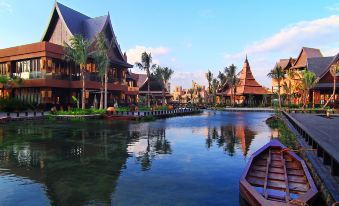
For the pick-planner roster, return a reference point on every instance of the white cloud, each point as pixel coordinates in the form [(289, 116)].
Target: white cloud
[(134, 54), (320, 33), (185, 78), (334, 7), (5, 7)]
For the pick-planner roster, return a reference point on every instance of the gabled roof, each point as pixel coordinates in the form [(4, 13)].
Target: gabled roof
[(78, 23), (318, 65), (306, 52), (333, 61), (142, 79)]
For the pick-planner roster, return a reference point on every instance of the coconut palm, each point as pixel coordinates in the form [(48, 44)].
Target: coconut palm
[(209, 77), (215, 86), (146, 65), (308, 81), (333, 70), (277, 74), (232, 80), (164, 74), (199, 90), (77, 51), (102, 63), (191, 92)]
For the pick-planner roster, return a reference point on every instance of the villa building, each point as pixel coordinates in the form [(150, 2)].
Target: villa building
[(312, 60), (48, 79), (156, 90)]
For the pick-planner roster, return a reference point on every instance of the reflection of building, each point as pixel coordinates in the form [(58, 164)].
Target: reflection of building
[(49, 79), (68, 168), (230, 136), (312, 60), (246, 136)]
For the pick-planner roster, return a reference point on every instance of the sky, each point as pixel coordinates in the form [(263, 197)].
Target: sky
[(193, 36)]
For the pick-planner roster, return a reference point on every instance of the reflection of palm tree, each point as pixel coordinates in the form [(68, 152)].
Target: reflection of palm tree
[(156, 144)]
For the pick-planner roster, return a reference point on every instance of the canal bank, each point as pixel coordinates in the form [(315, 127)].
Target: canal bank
[(319, 136)]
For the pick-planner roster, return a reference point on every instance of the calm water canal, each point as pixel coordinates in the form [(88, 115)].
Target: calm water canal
[(192, 160)]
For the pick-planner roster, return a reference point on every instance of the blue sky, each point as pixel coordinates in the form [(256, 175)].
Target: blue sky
[(191, 36)]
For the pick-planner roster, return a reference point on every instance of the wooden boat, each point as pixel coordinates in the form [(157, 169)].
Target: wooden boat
[(276, 176)]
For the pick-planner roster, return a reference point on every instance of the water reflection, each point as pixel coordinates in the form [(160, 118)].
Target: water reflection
[(230, 136), (121, 163)]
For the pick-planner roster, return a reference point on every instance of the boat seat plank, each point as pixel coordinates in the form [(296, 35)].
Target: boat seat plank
[(267, 170)]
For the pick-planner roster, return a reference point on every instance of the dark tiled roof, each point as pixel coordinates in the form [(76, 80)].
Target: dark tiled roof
[(318, 65), (326, 85), (73, 19), (91, 27)]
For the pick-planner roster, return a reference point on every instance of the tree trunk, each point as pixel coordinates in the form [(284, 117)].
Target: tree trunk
[(106, 79), (102, 93), (163, 97), (148, 93), (333, 94), (83, 106), (279, 97)]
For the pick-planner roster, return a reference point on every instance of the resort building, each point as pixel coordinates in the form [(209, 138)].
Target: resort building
[(247, 92), (156, 90), (312, 60), (180, 95), (50, 80)]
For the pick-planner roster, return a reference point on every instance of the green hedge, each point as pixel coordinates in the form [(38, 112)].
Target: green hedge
[(81, 112)]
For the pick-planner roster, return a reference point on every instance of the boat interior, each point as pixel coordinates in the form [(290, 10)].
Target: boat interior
[(277, 175)]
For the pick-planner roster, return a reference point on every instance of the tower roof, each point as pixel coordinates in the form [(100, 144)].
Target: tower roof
[(248, 84)]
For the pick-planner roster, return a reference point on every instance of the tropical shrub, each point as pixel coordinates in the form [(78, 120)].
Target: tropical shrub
[(14, 105)]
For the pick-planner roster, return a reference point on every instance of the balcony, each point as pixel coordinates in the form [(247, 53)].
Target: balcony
[(133, 89)]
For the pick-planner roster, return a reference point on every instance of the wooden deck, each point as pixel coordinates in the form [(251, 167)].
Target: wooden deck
[(321, 133), (305, 126)]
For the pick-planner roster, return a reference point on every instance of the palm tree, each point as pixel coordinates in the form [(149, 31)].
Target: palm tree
[(164, 74), (102, 63), (278, 74), (209, 77), (291, 85), (308, 81), (191, 92), (215, 85), (333, 70), (146, 65), (199, 90), (78, 51), (232, 80)]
